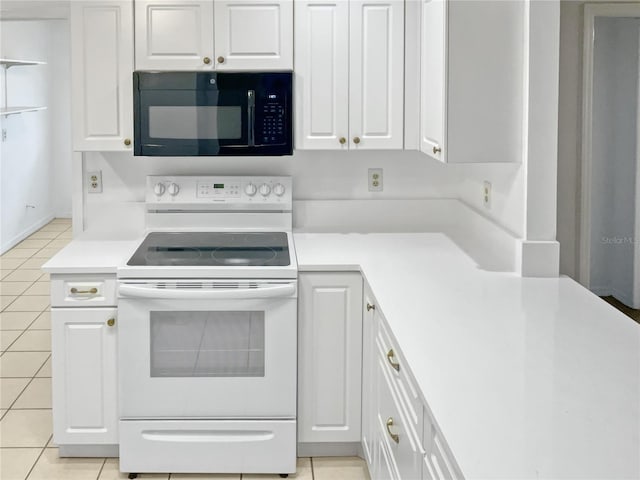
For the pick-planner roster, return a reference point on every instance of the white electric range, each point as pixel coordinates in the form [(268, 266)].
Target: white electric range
[(207, 335)]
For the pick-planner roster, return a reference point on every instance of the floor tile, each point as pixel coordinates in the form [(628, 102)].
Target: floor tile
[(7, 337), (38, 288), (344, 468), (42, 234), (26, 428), (47, 252), (50, 467), (10, 263), (6, 300), (68, 234), (13, 288), (34, 263), (36, 395), (15, 463), (5, 273), (23, 275), (111, 471), (17, 320), (43, 322), (54, 227), (20, 253), (45, 371), (58, 243), (303, 472), (33, 243), (22, 364), (31, 303), (44, 277), (205, 476), (10, 389), (33, 341)]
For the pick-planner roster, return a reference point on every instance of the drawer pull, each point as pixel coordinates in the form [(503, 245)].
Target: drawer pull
[(370, 307), (91, 291), (390, 356), (394, 436)]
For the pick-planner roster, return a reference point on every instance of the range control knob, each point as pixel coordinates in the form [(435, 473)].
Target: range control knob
[(159, 189), (173, 189), (250, 189), (278, 189), (265, 189)]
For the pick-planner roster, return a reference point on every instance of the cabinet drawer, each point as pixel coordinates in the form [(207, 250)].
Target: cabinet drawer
[(398, 435), (398, 371), (438, 461), (83, 291)]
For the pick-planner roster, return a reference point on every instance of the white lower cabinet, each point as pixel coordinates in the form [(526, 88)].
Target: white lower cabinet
[(368, 376), (329, 357), (84, 378)]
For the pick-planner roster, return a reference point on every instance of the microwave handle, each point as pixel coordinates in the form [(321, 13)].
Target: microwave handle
[(251, 117), (149, 291)]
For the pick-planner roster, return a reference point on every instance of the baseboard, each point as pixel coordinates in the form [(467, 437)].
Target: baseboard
[(339, 449), (88, 451), (539, 258), (12, 242)]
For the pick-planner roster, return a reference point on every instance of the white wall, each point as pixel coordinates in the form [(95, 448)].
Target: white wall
[(614, 156)]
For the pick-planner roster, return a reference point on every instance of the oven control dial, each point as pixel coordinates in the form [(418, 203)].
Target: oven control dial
[(159, 189), (250, 189), (173, 189), (278, 189), (265, 189)]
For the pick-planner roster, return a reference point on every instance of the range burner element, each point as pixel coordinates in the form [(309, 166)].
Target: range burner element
[(212, 249)]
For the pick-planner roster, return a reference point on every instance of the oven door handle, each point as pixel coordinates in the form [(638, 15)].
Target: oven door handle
[(150, 291)]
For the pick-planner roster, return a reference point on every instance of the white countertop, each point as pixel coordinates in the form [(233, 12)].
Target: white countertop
[(526, 377)]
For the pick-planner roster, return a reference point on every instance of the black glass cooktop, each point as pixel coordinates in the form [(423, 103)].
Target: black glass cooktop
[(212, 249)]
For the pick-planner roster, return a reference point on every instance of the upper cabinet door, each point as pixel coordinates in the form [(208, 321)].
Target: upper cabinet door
[(254, 34), (174, 35), (322, 75), (101, 75), (377, 74), (433, 53)]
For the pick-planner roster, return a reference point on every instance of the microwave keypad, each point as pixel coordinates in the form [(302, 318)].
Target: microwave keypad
[(272, 124)]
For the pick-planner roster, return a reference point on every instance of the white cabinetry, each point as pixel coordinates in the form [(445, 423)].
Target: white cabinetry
[(207, 35), (472, 56), (101, 74), (369, 329), (329, 357), (349, 61), (174, 35), (84, 376)]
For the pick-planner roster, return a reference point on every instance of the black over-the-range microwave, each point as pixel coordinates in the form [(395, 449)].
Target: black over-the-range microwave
[(211, 113)]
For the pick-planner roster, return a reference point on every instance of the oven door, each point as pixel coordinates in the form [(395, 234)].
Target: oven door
[(207, 349)]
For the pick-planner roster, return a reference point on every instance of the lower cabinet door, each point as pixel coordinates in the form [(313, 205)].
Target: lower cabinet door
[(329, 357), (368, 377), (84, 379)]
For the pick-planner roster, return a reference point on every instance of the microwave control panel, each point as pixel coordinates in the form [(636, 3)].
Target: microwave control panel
[(273, 122), (237, 192)]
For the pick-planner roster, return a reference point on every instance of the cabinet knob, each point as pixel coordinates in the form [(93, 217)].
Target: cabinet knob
[(206, 60), (111, 322), (370, 307), (342, 140), (394, 436), (220, 59), (436, 150), (395, 365), (127, 141), (356, 140), (91, 291)]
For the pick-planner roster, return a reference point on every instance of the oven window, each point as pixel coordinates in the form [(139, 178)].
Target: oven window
[(207, 344), (195, 122)]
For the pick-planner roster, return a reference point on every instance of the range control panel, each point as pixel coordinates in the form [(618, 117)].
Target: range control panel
[(232, 191)]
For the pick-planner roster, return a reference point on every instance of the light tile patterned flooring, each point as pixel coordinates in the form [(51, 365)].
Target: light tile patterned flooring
[(26, 448)]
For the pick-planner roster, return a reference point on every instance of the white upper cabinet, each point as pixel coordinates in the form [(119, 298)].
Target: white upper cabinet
[(472, 80), (101, 75), (376, 91), (254, 34), (174, 35), (349, 62), (207, 35), (322, 75)]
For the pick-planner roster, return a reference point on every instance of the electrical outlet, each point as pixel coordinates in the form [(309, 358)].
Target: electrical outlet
[(486, 194), (375, 179), (94, 182)]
